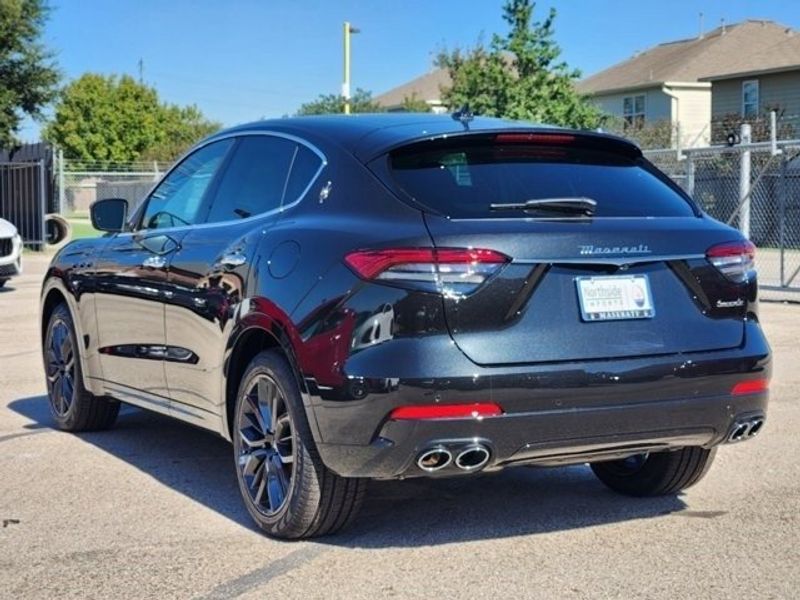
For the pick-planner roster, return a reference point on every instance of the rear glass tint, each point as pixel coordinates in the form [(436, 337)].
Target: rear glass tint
[(461, 179)]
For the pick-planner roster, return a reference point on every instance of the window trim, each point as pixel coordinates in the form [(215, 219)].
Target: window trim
[(633, 114), (758, 97), (135, 219)]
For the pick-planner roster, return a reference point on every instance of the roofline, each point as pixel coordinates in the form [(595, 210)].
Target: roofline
[(651, 84), (752, 73), (431, 102), (697, 85)]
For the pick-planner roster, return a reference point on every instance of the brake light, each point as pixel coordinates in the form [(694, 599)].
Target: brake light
[(446, 411), (735, 260), (449, 271), (751, 386), (535, 138)]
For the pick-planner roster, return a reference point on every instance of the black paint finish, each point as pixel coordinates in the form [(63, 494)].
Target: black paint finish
[(168, 316)]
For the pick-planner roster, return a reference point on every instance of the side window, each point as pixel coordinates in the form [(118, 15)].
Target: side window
[(306, 164), (255, 179), (178, 198)]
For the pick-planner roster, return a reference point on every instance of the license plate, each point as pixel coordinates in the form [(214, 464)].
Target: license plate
[(615, 297)]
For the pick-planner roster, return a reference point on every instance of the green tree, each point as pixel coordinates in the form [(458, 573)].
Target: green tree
[(183, 126), (519, 75), (101, 118), (28, 77), (360, 102), (414, 103)]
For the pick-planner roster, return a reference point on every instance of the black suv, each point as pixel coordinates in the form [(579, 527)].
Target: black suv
[(392, 296)]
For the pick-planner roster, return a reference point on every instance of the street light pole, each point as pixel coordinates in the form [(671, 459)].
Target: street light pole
[(348, 30)]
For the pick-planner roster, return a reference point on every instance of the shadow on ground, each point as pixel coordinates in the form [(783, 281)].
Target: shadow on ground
[(417, 512)]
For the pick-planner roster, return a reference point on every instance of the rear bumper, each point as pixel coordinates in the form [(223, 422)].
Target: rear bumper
[(554, 414), (548, 438)]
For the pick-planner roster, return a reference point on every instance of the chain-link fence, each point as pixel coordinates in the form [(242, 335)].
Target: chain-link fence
[(754, 187), (80, 183)]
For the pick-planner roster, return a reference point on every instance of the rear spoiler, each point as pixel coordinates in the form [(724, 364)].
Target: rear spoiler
[(536, 137)]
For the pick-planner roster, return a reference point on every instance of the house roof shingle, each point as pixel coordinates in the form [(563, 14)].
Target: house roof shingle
[(746, 47)]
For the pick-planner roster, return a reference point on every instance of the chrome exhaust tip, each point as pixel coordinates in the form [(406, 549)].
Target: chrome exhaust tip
[(745, 429), (434, 459), (739, 432), (473, 457)]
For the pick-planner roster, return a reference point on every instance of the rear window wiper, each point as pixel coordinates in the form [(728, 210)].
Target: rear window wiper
[(573, 206)]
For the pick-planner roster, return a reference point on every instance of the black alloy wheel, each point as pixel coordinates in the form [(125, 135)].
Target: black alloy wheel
[(286, 487), (266, 449), (73, 407), (60, 363)]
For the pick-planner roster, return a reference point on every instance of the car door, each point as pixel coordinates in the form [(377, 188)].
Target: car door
[(209, 273), (131, 280)]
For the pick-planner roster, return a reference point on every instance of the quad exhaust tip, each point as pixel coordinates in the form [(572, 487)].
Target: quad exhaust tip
[(434, 459), (473, 457), (744, 430)]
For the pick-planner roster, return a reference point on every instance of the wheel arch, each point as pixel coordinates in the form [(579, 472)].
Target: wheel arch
[(50, 301), (258, 334), (53, 295)]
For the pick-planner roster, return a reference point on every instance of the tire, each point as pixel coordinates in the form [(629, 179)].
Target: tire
[(657, 473), (73, 407), (286, 488)]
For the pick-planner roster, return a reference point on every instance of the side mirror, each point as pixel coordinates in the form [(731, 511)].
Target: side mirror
[(109, 214)]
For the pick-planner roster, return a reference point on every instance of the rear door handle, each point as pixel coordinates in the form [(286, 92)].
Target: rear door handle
[(232, 260), (154, 262)]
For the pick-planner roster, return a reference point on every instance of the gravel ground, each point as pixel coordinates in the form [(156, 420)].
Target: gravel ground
[(150, 510)]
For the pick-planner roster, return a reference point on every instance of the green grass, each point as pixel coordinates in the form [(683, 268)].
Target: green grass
[(82, 228)]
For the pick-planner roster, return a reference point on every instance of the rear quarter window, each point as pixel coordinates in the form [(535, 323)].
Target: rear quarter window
[(460, 179)]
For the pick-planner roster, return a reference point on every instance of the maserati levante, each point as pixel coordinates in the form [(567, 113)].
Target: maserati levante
[(397, 296)]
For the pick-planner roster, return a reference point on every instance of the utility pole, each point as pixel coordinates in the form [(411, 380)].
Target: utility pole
[(348, 30), (141, 71)]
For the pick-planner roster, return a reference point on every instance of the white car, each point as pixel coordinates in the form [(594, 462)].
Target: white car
[(10, 252)]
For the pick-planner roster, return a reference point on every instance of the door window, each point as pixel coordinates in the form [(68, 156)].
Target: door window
[(254, 182), (178, 199)]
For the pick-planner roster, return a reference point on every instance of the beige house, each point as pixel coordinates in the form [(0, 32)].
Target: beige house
[(745, 69), (426, 87)]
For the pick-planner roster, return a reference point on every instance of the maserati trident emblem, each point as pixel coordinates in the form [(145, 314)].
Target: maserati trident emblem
[(590, 250)]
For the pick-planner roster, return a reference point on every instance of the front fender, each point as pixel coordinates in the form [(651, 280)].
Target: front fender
[(73, 286)]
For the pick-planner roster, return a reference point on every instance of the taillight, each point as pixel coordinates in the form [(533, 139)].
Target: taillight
[(735, 260), (448, 271)]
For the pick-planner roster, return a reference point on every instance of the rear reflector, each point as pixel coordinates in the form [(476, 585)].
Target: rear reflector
[(735, 260), (752, 386), (449, 271), (446, 411)]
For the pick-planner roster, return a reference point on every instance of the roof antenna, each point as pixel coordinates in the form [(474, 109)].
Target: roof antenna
[(700, 34), (463, 115)]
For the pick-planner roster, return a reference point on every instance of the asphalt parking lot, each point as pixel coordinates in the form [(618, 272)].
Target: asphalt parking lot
[(151, 510)]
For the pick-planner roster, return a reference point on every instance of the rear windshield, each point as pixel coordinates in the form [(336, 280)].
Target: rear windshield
[(461, 179)]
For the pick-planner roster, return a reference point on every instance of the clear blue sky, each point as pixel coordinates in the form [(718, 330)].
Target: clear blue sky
[(244, 60)]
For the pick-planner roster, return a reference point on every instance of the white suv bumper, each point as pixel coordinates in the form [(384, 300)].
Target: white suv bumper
[(10, 264)]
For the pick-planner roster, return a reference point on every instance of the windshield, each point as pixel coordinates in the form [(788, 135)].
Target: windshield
[(462, 179)]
